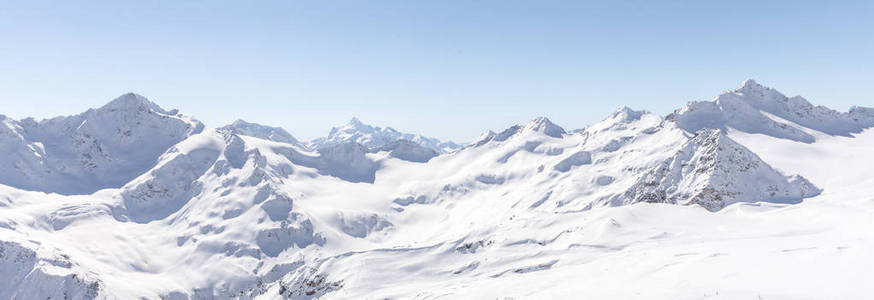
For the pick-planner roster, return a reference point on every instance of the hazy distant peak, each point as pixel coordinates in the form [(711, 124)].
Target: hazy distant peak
[(355, 122), (749, 83), (374, 137)]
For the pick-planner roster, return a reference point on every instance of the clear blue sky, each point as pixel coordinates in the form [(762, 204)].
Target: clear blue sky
[(449, 69)]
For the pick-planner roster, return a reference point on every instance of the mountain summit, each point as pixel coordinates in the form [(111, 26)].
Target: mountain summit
[(375, 137), (100, 148), (754, 108), (545, 126)]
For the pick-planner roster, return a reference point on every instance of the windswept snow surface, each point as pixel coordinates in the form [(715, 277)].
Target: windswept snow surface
[(744, 197)]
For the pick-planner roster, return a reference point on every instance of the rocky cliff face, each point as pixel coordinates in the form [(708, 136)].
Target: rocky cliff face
[(713, 171)]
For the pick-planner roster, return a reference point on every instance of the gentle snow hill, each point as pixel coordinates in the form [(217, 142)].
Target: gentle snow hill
[(688, 206), (374, 137)]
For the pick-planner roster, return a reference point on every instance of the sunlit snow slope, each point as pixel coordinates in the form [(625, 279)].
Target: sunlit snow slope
[(753, 195)]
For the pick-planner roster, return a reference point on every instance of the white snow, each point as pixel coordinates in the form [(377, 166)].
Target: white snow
[(263, 132), (731, 199), (747, 108), (100, 148), (375, 137)]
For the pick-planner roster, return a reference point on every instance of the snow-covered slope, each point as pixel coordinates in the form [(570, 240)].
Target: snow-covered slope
[(635, 206), (754, 108), (263, 132), (713, 171), (408, 150), (375, 137), (100, 148)]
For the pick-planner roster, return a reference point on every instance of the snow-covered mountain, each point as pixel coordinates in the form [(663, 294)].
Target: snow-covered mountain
[(713, 171), (751, 195), (375, 137), (100, 148), (263, 132), (754, 108)]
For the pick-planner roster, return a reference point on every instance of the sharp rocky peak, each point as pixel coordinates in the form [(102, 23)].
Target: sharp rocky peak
[(749, 83), (240, 122), (354, 125), (355, 122), (540, 125), (712, 170), (749, 109)]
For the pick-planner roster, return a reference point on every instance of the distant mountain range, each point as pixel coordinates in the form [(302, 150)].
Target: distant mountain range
[(743, 196), (372, 137)]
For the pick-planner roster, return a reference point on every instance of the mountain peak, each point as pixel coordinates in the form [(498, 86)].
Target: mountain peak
[(485, 135), (101, 148), (132, 101), (544, 125), (625, 113), (276, 134), (355, 124), (374, 137), (795, 109), (749, 82), (484, 138), (750, 86), (541, 119)]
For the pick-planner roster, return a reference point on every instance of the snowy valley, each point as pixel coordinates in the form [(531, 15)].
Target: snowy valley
[(752, 195)]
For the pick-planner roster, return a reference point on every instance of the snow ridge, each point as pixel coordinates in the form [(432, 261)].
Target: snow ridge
[(538, 126), (748, 107)]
